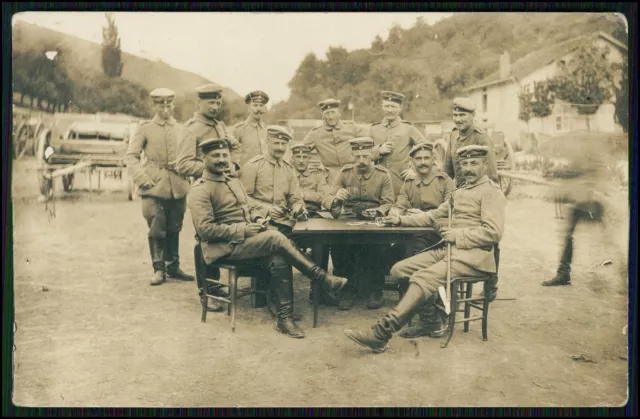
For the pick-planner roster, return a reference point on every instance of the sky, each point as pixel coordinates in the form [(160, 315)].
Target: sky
[(242, 51)]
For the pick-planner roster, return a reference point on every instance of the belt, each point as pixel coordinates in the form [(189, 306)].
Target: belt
[(169, 166)]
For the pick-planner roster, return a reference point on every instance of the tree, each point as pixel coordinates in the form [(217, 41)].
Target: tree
[(622, 95), (525, 112), (111, 54), (543, 99)]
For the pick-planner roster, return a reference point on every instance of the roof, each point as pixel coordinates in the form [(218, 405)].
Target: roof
[(542, 57)]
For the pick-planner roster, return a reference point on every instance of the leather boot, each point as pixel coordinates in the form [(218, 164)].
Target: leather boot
[(563, 275), (429, 322), (377, 337), (283, 289), (156, 248), (173, 257), (493, 282), (330, 283)]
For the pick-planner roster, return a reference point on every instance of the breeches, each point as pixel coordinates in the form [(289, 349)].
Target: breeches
[(163, 215), (428, 270)]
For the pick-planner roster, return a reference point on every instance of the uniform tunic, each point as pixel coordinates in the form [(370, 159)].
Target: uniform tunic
[(475, 136), (424, 194), (404, 135), (314, 187), (332, 144), (190, 156)]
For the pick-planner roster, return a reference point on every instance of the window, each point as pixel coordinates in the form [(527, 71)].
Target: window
[(484, 100)]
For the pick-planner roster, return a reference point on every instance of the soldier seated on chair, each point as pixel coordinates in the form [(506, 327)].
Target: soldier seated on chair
[(425, 189), (229, 228), (362, 189), (477, 225)]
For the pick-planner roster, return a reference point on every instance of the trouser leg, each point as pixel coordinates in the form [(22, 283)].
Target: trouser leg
[(282, 278), (563, 273), (153, 211)]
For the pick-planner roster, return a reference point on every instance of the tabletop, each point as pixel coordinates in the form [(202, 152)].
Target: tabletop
[(351, 226)]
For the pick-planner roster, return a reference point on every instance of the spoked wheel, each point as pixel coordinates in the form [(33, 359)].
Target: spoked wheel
[(20, 141)]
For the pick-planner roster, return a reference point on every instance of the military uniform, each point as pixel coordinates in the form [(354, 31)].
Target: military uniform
[(270, 182), (162, 190), (403, 134), (332, 142), (312, 182), (198, 128), (372, 189), (477, 223), (221, 212)]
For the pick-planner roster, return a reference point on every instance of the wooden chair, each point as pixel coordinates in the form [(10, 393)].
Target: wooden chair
[(235, 270), (462, 292)]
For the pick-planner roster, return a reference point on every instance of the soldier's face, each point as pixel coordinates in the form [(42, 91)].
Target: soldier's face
[(391, 110), (257, 109), (423, 161), (301, 161), (164, 111), (331, 116), (463, 120), (473, 169), (277, 147), (362, 159), (217, 160), (210, 107)]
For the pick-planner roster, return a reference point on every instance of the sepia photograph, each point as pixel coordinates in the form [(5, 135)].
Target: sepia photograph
[(224, 209)]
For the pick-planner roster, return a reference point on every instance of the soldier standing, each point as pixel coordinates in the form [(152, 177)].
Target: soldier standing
[(394, 138), (162, 190), (465, 133), (204, 125), (331, 139), (362, 189)]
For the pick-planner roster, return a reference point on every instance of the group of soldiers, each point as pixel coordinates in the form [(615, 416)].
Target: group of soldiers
[(251, 183)]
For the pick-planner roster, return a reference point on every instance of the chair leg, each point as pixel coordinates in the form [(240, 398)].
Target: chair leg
[(317, 288), (467, 305), (203, 302), (485, 310), (233, 283), (197, 254), (452, 315)]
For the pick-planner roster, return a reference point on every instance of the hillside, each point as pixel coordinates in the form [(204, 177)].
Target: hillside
[(430, 64), (82, 62)]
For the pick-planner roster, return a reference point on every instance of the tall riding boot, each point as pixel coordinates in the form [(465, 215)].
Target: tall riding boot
[(283, 277), (377, 337), (173, 267), (156, 248), (429, 322), (493, 282), (563, 275), (331, 284)]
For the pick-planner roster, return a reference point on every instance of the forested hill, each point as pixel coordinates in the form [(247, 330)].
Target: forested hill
[(78, 76), (430, 64)]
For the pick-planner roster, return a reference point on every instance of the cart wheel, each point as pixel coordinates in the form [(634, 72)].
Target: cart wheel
[(20, 142), (67, 182)]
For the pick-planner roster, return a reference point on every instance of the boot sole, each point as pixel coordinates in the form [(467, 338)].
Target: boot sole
[(289, 335), (177, 278), (556, 285), (155, 284), (375, 350)]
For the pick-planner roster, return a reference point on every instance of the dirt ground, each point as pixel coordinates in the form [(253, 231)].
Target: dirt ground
[(91, 331)]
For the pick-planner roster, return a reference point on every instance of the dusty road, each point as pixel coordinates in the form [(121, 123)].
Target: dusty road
[(92, 332)]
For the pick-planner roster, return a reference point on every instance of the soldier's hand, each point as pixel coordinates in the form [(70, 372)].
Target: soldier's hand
[(386, 148), (276, 212), (297, 210), (391, 220), (342, 195), (252, 229), (408, 174), (447, 235)]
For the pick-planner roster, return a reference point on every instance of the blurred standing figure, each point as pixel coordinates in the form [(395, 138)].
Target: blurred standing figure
[(331, 139), (204, 124), (464, 134), (394, 139), (163, 191)]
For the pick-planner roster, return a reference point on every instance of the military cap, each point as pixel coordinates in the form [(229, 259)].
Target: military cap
[(463, 104), (329, 104), (213, 143), (162, 95), (472, 151), (361, 143), (422, 145), (256, 95), (209, 91), (278, 132), (300, 148), (393, 97)]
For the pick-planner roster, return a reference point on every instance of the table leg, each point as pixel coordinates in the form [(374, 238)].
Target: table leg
[(321, 258)]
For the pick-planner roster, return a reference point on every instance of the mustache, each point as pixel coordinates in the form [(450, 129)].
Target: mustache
[(468, 174), (423, 165), (222, 164)]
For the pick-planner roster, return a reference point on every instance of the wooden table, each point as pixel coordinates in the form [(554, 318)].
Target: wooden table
[(320, 233)]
